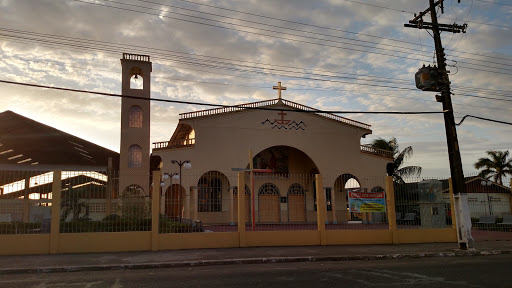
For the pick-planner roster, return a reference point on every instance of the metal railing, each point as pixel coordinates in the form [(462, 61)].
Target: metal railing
[(136, 57), (174, 144), (298, 106), (375, 151)]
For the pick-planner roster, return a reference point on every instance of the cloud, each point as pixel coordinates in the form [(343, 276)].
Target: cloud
[(210, 64)]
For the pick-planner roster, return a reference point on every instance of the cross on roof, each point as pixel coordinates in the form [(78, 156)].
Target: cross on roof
[(279, 88)]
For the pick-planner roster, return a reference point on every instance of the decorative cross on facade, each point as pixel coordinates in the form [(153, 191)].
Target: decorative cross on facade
[(279, 88)]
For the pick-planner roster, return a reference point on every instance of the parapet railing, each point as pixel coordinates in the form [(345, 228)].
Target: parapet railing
[(174, 144), (375, 151), (221, 110), (137, 57)]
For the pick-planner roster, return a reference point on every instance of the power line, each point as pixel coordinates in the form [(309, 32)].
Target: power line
[(287, 28), (324, 27), (482, 118), (217, 105), (77, 41), (495, 3), (286, 38), (315, 79), (266, 30)]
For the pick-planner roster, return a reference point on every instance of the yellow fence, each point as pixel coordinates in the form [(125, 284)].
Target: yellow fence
[(56, 242)]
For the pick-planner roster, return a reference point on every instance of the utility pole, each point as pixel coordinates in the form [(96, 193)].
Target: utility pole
[(459, 187)]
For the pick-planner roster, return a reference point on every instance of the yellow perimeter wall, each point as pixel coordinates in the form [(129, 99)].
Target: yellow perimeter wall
[(142, 241), (56, 242)]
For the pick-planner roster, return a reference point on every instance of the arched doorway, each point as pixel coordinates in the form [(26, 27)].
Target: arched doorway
[(296, 203), (268, 203), (210, 191), (343, 184), (173, 203), (284, 160)]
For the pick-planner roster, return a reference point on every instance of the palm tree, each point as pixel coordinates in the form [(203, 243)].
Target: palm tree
[(399, 158), (497, 166)]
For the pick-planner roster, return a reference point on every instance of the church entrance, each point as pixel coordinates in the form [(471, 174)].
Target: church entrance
[(174, 201), (296, 203), (268, 204)]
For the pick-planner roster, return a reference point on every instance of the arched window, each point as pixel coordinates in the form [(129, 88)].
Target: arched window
[(268, 189), (210, 188), (134, 156), (136, 82), (296, 189), (135, 117)]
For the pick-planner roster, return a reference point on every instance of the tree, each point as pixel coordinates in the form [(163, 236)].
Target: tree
[(399, 158), (496, 166)]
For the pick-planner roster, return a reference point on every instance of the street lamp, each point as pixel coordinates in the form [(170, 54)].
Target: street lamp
[(185, 164), (487, 183)]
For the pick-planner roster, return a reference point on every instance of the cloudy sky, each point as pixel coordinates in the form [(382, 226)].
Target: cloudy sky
[(338, 55)]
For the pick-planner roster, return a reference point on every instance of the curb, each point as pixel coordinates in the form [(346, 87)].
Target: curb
[(270, 260)]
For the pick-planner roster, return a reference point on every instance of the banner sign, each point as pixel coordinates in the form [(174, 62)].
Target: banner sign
[(366, 202)]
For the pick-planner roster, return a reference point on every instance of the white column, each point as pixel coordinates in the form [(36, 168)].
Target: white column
[(194, 203), (187, 203), (162, 200)]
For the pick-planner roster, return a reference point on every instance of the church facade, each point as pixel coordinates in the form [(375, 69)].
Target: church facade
[(287, 143)]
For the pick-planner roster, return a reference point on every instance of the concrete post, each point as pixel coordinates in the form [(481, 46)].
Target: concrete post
[(187, 203), (155, 210), (510, 195), (321, 209), (452, 206), (26, 201), (232, 206), (162, 200), (241, 210), (194, 203), (333, 205), (56, 200), (390, 207), (108, 194)]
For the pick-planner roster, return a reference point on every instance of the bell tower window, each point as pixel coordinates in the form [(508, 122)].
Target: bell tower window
[(135, 117), (135, 156)]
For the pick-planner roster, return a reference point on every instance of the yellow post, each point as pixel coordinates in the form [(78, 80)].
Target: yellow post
[(241, 188), (26, 201), (55, 226), (108, 195), (333, 205), (155, 210), (390, 207), (231, 206), (241, 210), (321, 209), (452, 204), (510, 202)]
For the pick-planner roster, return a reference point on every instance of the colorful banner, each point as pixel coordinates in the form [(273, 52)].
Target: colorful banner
[(366, 202)]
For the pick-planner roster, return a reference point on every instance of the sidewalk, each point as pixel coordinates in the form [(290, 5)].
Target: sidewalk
[(201, 257)]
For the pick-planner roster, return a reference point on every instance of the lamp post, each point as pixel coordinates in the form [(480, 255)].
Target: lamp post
[(487, 183), (183, 164)]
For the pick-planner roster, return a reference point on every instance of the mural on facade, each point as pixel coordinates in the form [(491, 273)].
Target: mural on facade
[(285, 124), (275, 158)]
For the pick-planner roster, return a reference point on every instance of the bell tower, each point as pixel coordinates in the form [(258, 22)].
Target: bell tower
[(135, 143)]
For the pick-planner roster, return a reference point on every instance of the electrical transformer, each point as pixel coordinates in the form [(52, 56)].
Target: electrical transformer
[(428, 79)]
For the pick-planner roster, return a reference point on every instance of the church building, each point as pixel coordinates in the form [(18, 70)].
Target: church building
[(291, 141), (285, 143)]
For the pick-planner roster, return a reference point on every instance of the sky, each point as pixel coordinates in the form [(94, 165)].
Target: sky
[(336, 55)]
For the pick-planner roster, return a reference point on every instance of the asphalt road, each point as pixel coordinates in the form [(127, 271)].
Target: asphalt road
[(468, 271)]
